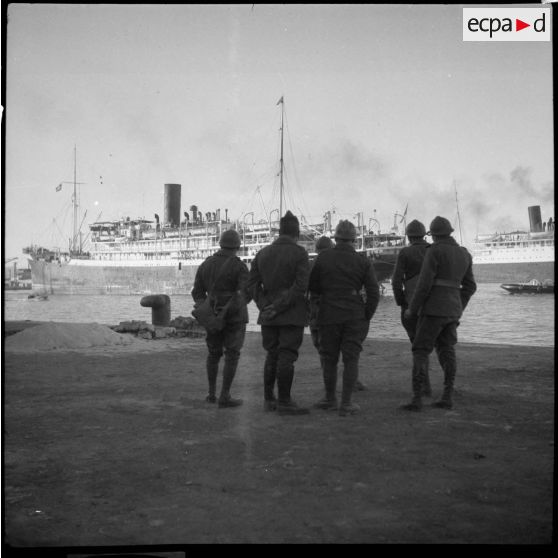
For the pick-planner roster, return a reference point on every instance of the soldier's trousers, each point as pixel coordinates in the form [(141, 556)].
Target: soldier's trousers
[(410, 326), (229, 342), (440, 333), (343, 339)]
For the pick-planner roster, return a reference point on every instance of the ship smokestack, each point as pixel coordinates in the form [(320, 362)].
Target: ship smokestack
[(172, 204), (535, 221)]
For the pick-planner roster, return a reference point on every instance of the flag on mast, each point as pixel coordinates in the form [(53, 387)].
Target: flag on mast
[(280, 100), (59, 187)]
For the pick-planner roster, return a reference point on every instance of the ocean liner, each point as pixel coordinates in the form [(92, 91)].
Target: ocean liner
[(140, 256), (516, 256)]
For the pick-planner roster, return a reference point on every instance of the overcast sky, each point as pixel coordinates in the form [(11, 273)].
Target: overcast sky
[(386, 107)]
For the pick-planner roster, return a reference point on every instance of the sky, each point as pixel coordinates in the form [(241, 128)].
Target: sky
[(386, 109)]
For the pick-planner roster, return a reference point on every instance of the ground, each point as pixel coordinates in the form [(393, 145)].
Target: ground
[(116, 446)]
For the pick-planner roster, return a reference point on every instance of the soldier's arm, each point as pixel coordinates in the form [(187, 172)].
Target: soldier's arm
[(468, 285), (242, 285), (397, 281), (254, 288), (372, 289), (425, 281), (199, 292)]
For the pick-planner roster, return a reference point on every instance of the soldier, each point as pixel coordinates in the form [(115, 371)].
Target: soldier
[(224, 276), (338, 276), (445, 286), (278, 283), (405, 278), (323, 243)]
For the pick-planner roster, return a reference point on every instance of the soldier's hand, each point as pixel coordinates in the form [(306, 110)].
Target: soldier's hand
[(269, 312), (407, 314)]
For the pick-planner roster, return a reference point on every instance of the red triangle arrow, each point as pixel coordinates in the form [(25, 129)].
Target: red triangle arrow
[(519, 25)]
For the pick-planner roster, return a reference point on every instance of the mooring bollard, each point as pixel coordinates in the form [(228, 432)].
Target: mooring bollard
[(160, 308)]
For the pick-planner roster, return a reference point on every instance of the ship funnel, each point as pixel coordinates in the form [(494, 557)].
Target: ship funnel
[(535, 221), (172, 205)]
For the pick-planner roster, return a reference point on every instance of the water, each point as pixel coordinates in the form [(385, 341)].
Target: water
[(493, 316)]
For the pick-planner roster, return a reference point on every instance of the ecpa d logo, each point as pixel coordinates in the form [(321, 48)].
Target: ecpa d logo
[(506, 24)]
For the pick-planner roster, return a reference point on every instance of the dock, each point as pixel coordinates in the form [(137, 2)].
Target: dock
[(116, 447)]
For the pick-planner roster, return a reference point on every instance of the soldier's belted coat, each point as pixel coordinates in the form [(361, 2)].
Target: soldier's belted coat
[(232, 282), (338, 276), (449, 263)]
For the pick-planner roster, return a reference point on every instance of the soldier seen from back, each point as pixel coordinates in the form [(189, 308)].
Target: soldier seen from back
[(404, 281), (224, 277), (278, 282), (323, 243), (338, 276), (444, 288)]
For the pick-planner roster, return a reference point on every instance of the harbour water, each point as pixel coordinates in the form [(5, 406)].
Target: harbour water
[(492, 316)]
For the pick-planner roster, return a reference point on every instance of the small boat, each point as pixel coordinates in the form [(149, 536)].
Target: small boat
[(37, 296), (534, 286)]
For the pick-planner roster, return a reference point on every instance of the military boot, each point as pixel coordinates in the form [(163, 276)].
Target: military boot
[(419, 367), (229, 371), (285, 405), (449, 365), (350, 375), (212, 368), (329, 374), (285, 376), (270, 373), (426, 387)]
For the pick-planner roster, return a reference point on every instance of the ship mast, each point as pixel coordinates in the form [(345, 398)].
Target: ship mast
[(281, 160), (73, 243), (74, 201)]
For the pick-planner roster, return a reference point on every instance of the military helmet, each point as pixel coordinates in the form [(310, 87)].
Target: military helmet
[(440, 226), (230, 239), (345, 230), (415, 228), (323, 243)]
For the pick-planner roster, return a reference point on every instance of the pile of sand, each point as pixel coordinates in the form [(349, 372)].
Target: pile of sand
[(61, 336)]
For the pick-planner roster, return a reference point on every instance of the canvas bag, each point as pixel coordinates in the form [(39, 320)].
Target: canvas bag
[(207, 314)]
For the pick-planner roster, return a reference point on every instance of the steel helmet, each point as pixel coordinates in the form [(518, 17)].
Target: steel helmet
[(440, 226), (415, 228), (230, 239)]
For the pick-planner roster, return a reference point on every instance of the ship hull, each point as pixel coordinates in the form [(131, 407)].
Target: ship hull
[(513, 272), (87, 277), (65, 279), (178, 278)]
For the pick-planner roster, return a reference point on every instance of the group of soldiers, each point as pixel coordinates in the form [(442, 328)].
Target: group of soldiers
[(337, 295)]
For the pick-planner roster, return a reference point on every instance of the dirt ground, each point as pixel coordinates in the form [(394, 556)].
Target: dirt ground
[(115, 446)]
